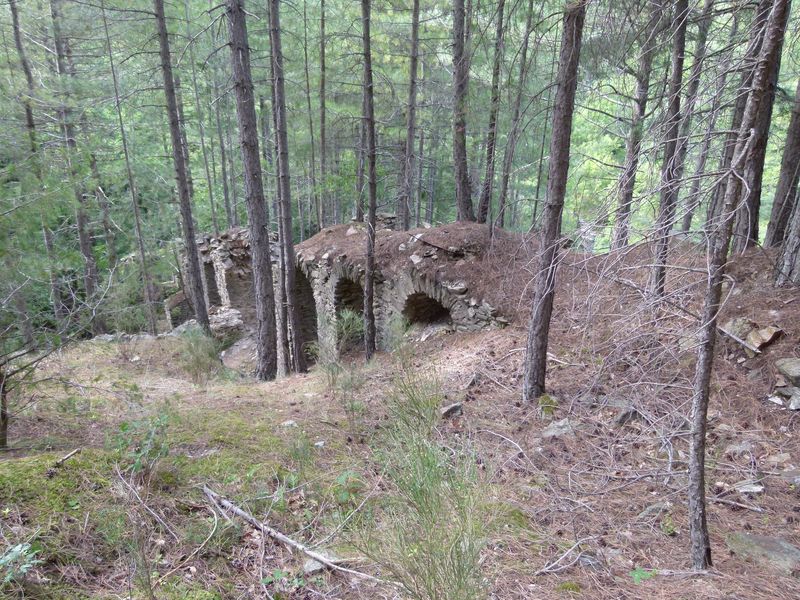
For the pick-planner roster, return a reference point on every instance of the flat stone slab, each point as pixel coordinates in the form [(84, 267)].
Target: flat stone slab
[(767, 551), (789, 368)]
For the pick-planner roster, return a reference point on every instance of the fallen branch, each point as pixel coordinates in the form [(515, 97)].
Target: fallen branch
[(555, 566), (226, 505), (51, 471), (719, 500)]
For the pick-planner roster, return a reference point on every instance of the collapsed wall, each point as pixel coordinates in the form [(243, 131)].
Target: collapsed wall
[(413, 281)]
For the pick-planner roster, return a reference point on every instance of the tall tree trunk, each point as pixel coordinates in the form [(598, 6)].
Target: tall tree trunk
[(693, 198), (372, 186), (287, 247), (407, 170), (757, 29), (720, 235), (535, 368), (234, 189), (195, 287), (362, 158), (513, 134), (30, 124), (323, 148), (460, 84), (147, 291), (786, 190), (491, 136), (65, 68), (745, 233), (223, 161), (313, 167), (670, 170), (420, 183), (266, 152), (200, 120), (257, 210), (633, 146)]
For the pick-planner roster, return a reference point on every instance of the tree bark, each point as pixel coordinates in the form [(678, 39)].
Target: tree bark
[(30, 124), (460, 84), (535, 367), (369, 122), (195, 287), (407, 168), (719, 240), (257, 209), (484, 205), (322, 215), (150, 310), (313, 166), (786, 190), (420, 183), (287, 247), (627, 180), (745, 233), (670, 170), (513, 134), (200, 121)]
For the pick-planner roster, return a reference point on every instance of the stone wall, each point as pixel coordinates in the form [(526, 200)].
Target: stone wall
[(326, 284)]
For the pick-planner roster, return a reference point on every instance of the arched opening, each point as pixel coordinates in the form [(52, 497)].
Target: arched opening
[(304, 296), (348, 294), (421, 308), (348, 301)]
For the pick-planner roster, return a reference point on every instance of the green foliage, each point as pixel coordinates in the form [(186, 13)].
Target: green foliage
[(547, 405), (144, 442), (198, 355), (569, 587), (639, 575), (432, 528), (16, 561)]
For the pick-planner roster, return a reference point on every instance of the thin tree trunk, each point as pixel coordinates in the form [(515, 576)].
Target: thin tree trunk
[(719, 241), (222, 158), (362, 159), (323, 150), (488, 179), (420, 184), (184, 137), (745, 234), (460, 85), (369, 122), (200, 121), (65, 68), (232, 174), (407, 168), (627, 180), (535, 368), (513, 134), (195, 282), (266, 150), (786, 190), (313, 168), (292, 308), (670, 170), (257, 208), (149, 304), (30, 124)]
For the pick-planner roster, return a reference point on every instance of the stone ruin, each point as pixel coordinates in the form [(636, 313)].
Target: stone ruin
[(328, 282)]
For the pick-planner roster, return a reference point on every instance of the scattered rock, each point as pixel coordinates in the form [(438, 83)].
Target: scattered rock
[(312, 567), (792, 393), (415, 258), (779, 459), (289, 423), (749, 486), (738, 449), (453, 410), (654, 510), (790, 369), (558, 429), (401, 248), (319, 444), (766, 550), (792, 476), (760, 338), (351, 231), (626, 414)]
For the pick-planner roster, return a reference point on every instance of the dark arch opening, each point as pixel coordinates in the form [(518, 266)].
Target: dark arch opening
[(421, 308), (348, 295), (307, 309)]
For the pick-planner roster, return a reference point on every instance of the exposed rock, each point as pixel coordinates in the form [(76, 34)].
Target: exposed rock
[(351, 231), (759, 338), (792, 476), (453, 410), (558, 429), (749, 486), (289, 423), (738, 327), (766, 550), (654, 510), (790, 369), (792, 393), (738, 449), (415, 258), (312, 567)]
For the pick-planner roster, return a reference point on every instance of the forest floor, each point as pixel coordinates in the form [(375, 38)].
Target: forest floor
[(581, 496)]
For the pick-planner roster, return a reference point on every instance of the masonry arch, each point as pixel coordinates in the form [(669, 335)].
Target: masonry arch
[(420, 308), (307, 310)]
